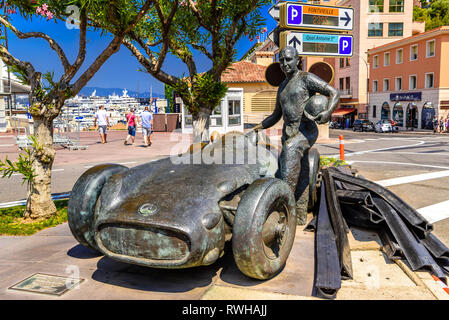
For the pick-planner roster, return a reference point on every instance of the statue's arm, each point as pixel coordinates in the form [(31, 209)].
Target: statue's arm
[(272, 119), (322, 87)]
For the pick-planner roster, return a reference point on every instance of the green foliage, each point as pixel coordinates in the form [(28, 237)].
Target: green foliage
[(435, 13), (168, 92), (203, 91), (332, 162), (22, 165), (20, 74), (11, 224)]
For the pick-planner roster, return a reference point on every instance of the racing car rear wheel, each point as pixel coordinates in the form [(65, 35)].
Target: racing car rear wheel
[(314, 172), (264, 228), (83, 199)]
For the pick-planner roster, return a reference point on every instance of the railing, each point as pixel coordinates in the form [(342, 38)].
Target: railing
[(345, 93)]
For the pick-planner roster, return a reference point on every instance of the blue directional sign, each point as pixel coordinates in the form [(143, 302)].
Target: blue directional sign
[(318, 44), (293, 15)]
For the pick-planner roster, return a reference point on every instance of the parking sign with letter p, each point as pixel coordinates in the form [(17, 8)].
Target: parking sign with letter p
[(345, 47), (294, 14)]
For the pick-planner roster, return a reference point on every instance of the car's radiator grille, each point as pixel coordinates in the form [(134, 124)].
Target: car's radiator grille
[(149, 243)]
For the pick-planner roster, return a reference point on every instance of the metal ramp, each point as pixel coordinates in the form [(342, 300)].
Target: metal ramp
[(65, 134)]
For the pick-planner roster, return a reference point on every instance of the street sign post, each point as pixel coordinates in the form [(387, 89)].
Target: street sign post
[(293, 15), (318, 44)]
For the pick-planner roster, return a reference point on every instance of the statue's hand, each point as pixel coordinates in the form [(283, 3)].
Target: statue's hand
[(323, 117)]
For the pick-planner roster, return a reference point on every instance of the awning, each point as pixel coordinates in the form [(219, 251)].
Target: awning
[(342, 112)]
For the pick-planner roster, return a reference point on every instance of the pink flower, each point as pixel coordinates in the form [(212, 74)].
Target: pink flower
[(45, 7), (49, 15), (38, 10)]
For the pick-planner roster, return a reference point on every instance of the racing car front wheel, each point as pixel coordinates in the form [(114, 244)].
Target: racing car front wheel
[(264, 228), (83, 199)]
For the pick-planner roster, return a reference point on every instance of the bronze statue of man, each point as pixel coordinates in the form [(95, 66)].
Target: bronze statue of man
[(299, 132)]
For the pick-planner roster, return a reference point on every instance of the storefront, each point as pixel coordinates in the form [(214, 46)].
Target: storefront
[(345, 116), (428, 112), (385, 112), (228, 116), (398, 114)]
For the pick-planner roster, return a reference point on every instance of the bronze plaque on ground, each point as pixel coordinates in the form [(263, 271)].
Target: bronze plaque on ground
[(47, 284)]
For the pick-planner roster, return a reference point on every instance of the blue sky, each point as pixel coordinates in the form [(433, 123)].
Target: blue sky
[(120, 71)]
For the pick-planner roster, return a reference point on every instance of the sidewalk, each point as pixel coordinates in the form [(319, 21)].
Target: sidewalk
[(55, 251)]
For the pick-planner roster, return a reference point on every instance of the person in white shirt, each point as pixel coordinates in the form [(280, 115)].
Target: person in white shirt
[(103, 123)]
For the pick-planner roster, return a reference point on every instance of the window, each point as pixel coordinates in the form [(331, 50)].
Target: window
[(430, 52), (395, 29), (387, 59), (348, 62), (376, 62), (234, 112), (398, 84), (414, 53), (386, 84), (342, 83), (216, 118), (429, 80), (376, 6), (342, 63), (396, 5), (375, 86), (413, 82), (374, 111), (375, 29), (399, 56), (348, 83)]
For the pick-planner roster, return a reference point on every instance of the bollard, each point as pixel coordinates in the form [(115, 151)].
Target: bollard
[(342, 148)]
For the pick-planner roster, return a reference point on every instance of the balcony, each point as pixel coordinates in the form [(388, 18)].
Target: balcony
[(345, 94)]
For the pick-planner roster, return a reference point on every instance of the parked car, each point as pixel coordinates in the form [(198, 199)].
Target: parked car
[(363, 125), (335, 125), (175, 214), (394, 126), (383, 126)]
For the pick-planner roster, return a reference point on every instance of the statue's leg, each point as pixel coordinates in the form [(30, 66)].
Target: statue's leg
[(309, 131), (290, 160)]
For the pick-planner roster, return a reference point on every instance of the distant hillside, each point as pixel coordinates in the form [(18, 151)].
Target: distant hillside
[(104, 92)]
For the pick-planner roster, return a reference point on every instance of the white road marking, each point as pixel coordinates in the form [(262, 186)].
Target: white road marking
[(6, 145), (385, 149), (414, 153), (415, 178), (54, 170), (401, 163), (382, 149), (435, 212)]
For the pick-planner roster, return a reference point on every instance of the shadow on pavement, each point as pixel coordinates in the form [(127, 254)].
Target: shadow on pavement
[(81, 252), (151, 279)]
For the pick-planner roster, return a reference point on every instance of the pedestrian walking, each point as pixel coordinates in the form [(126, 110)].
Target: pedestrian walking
[(447, 123), (131, 121), (102, 119), (435, 124), (441, 125), (146, 118)]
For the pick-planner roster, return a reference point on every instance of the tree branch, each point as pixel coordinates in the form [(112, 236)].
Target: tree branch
[(112, 48), (53, 44), (149, 66), (81, 51)]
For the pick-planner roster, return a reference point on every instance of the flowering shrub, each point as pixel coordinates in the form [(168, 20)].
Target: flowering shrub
[(43, 11)]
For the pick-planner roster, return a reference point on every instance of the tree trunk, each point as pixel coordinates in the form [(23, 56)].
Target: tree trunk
[(43, 155), (201, 125)]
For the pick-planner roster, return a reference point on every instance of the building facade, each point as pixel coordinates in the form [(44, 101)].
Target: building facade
[(409, 80), (376, 23)]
